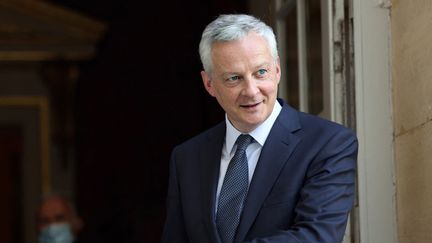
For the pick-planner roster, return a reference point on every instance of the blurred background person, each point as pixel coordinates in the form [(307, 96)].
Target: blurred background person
[(57, 221)]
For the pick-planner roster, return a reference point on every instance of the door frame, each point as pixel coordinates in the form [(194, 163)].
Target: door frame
[(373, 89)]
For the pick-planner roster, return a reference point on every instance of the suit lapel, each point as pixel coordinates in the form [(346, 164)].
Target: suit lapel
[(210, 156), (276, 151)]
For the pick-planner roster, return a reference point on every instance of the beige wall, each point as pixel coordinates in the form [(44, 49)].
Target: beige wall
[(411, 22)]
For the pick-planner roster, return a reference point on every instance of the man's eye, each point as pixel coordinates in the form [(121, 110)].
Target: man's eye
[(262, 72), (233, 78)]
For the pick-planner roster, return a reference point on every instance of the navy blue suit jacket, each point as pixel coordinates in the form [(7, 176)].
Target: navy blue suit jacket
[(302, 189)]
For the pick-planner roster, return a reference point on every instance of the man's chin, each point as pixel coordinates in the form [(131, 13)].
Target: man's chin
[(253, 123)]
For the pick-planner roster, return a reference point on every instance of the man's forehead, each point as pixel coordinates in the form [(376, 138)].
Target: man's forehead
[(257, 64)]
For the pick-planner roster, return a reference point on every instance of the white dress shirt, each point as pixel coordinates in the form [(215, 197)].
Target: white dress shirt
[(253, 151)]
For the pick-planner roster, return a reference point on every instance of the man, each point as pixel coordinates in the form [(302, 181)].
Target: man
[(290, 177), (57, 221)]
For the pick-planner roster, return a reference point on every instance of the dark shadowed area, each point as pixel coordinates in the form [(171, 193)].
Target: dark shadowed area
[(134, 102)]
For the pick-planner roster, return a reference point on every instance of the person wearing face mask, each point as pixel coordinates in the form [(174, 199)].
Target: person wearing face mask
[(57, 221)]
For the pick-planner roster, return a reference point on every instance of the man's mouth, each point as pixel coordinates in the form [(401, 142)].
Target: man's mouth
[(248, 106)]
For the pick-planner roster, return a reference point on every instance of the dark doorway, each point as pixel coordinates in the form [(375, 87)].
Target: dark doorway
[(10, 164), (135, 101)]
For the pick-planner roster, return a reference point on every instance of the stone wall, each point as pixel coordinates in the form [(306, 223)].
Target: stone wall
[(411, 22)]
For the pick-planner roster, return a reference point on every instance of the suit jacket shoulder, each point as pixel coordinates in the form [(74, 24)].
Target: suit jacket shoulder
[(214, 135)]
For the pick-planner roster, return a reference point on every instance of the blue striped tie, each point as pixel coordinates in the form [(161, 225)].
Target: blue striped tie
[(233, 192)]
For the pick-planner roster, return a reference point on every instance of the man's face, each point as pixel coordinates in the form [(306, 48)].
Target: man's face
[(52, 211), (244, 80)]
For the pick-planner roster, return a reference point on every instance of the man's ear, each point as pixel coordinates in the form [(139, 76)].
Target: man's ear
[(207, 83), (278, 70)]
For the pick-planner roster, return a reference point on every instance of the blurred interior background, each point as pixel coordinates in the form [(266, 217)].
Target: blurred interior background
[(95, 94)]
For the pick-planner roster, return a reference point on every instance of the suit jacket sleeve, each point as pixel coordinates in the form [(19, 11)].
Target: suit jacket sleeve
[(174, 229), (326, 197)]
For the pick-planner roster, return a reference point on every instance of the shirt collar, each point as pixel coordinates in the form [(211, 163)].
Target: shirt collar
[(260, 133)]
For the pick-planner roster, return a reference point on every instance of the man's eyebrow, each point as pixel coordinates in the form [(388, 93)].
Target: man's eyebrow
[(264, 64), (230, 73)]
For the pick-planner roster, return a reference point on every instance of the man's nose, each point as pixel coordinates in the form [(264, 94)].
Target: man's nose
[(250, 87)]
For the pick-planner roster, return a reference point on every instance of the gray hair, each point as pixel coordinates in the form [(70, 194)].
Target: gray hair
[(233, 27)]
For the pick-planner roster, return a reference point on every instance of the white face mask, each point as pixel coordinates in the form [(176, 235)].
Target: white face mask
[(56, 233)]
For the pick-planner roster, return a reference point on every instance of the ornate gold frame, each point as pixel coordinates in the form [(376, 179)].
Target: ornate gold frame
[(42, 104)]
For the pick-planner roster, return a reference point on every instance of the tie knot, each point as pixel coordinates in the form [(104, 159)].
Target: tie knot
[(243, 141)]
